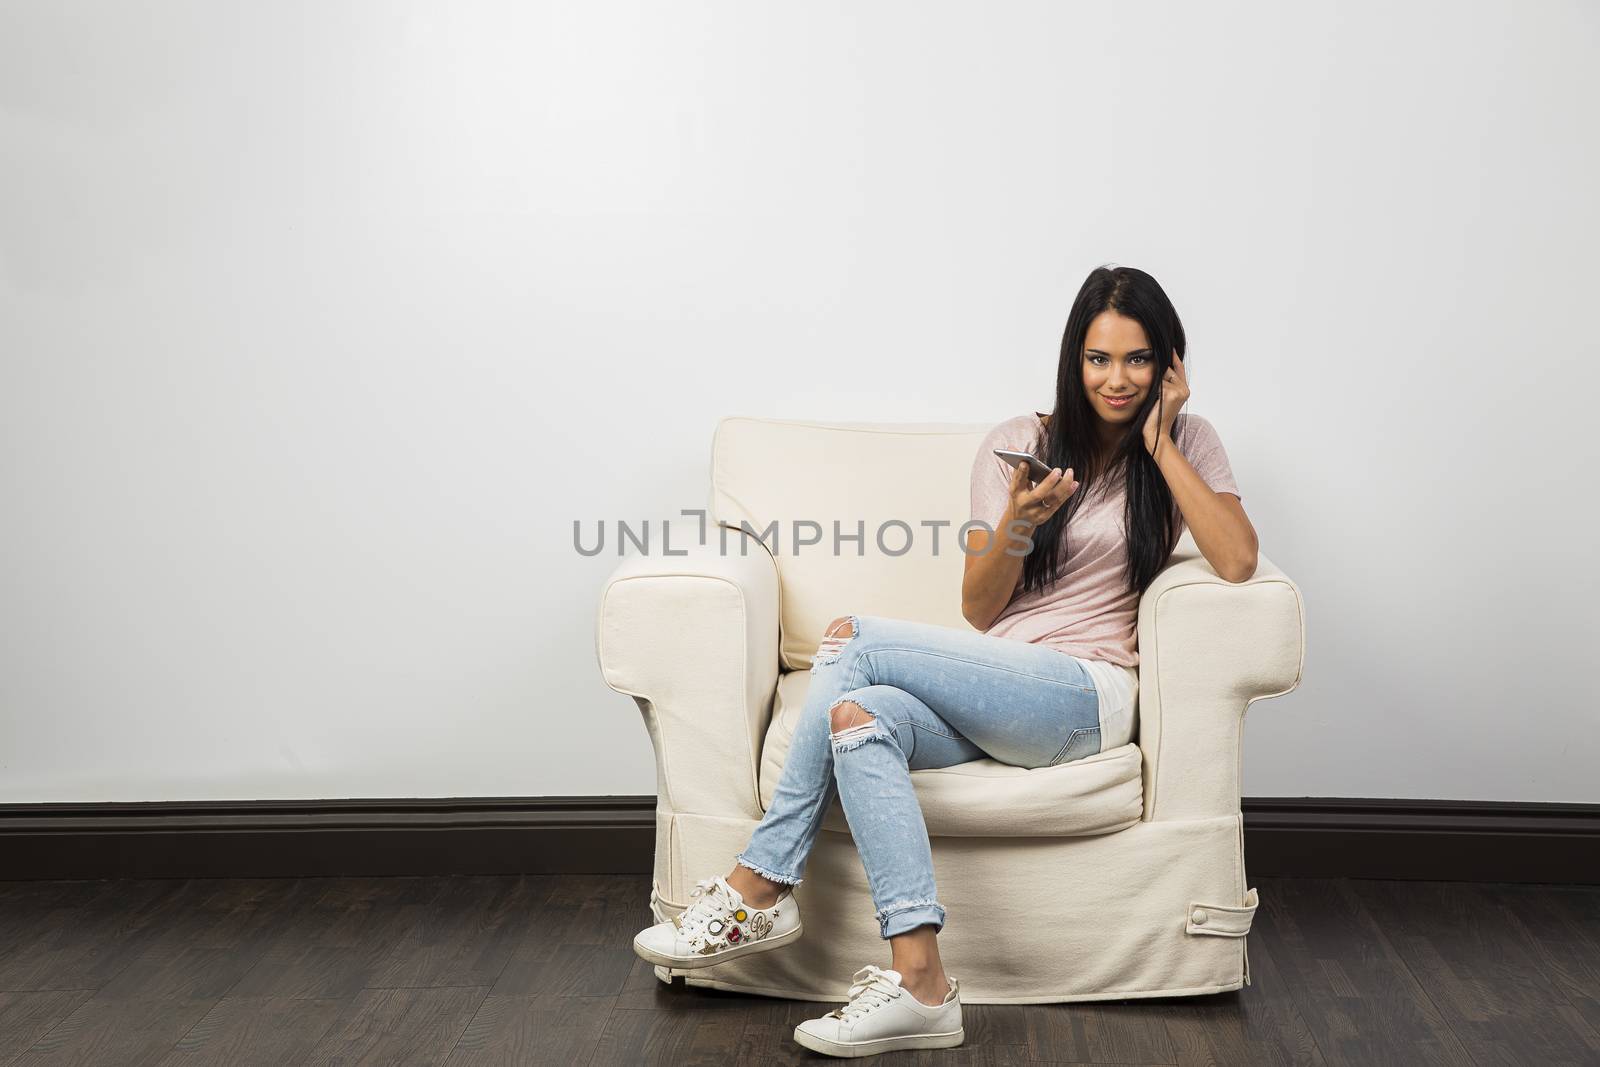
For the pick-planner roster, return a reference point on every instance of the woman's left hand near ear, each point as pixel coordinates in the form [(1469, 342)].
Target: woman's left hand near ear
[(1174, 391)]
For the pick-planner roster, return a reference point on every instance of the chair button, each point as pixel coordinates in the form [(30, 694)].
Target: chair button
[(1198, 917)]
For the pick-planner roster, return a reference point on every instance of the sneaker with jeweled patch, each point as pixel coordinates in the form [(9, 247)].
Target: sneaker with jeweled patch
[(881, 1016), (718, 926)]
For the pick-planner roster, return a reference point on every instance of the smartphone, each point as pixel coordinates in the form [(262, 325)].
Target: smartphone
[(1038, 469)]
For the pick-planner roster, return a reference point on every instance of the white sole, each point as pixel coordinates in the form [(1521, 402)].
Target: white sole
[(882, 1044), (690, 963)]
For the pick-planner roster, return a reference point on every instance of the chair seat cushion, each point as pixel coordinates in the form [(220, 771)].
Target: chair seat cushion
[(1098, 794)]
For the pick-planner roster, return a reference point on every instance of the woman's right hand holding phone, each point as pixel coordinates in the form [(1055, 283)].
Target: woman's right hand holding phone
[(1035, 504), (991, 578)]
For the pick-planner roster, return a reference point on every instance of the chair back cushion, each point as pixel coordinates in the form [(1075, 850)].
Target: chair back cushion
[(792, 481)]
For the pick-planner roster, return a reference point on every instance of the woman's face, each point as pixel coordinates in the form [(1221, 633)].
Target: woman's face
[(1117, 362)]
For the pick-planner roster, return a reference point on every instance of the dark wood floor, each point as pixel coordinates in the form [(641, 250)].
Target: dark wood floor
[(480, 970)]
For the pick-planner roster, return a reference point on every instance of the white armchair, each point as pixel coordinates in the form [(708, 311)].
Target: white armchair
[(1115, 876)]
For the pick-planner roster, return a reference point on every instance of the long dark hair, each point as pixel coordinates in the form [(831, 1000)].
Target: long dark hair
[(1071, 440)]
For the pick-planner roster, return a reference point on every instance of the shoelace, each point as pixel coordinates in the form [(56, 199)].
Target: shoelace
[(869, 988), (712, 899)]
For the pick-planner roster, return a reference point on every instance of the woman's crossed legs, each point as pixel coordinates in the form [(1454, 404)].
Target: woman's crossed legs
[(934, 696)]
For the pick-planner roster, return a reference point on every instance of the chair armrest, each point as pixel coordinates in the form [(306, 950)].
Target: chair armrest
[(1208, 649), (694, 640)]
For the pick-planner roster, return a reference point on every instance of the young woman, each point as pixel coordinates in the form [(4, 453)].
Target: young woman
[(1049, 677)]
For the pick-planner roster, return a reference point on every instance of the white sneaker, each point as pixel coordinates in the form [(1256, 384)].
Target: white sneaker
[(717, 926), (882, 1016)]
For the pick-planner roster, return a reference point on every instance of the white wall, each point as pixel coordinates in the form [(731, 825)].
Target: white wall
[(321, 322)]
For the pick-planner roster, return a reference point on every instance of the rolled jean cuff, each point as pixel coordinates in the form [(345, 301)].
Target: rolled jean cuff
[(908, 915), (767, 873)]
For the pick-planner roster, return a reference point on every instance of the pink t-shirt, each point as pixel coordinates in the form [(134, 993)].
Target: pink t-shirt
[(1088, 612)]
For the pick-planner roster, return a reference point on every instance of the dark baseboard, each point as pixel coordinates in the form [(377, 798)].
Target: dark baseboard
[(293, 838), (1448, 840)]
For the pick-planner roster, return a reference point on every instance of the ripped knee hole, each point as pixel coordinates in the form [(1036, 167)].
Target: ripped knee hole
[(838, 634), (848, 715)]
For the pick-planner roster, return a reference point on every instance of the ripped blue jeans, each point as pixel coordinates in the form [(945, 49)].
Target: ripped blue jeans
[(936, 696)]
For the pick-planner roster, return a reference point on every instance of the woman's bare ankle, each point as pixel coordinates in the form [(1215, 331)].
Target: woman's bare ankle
[(916, 956), (758, 891), (929, 985)]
